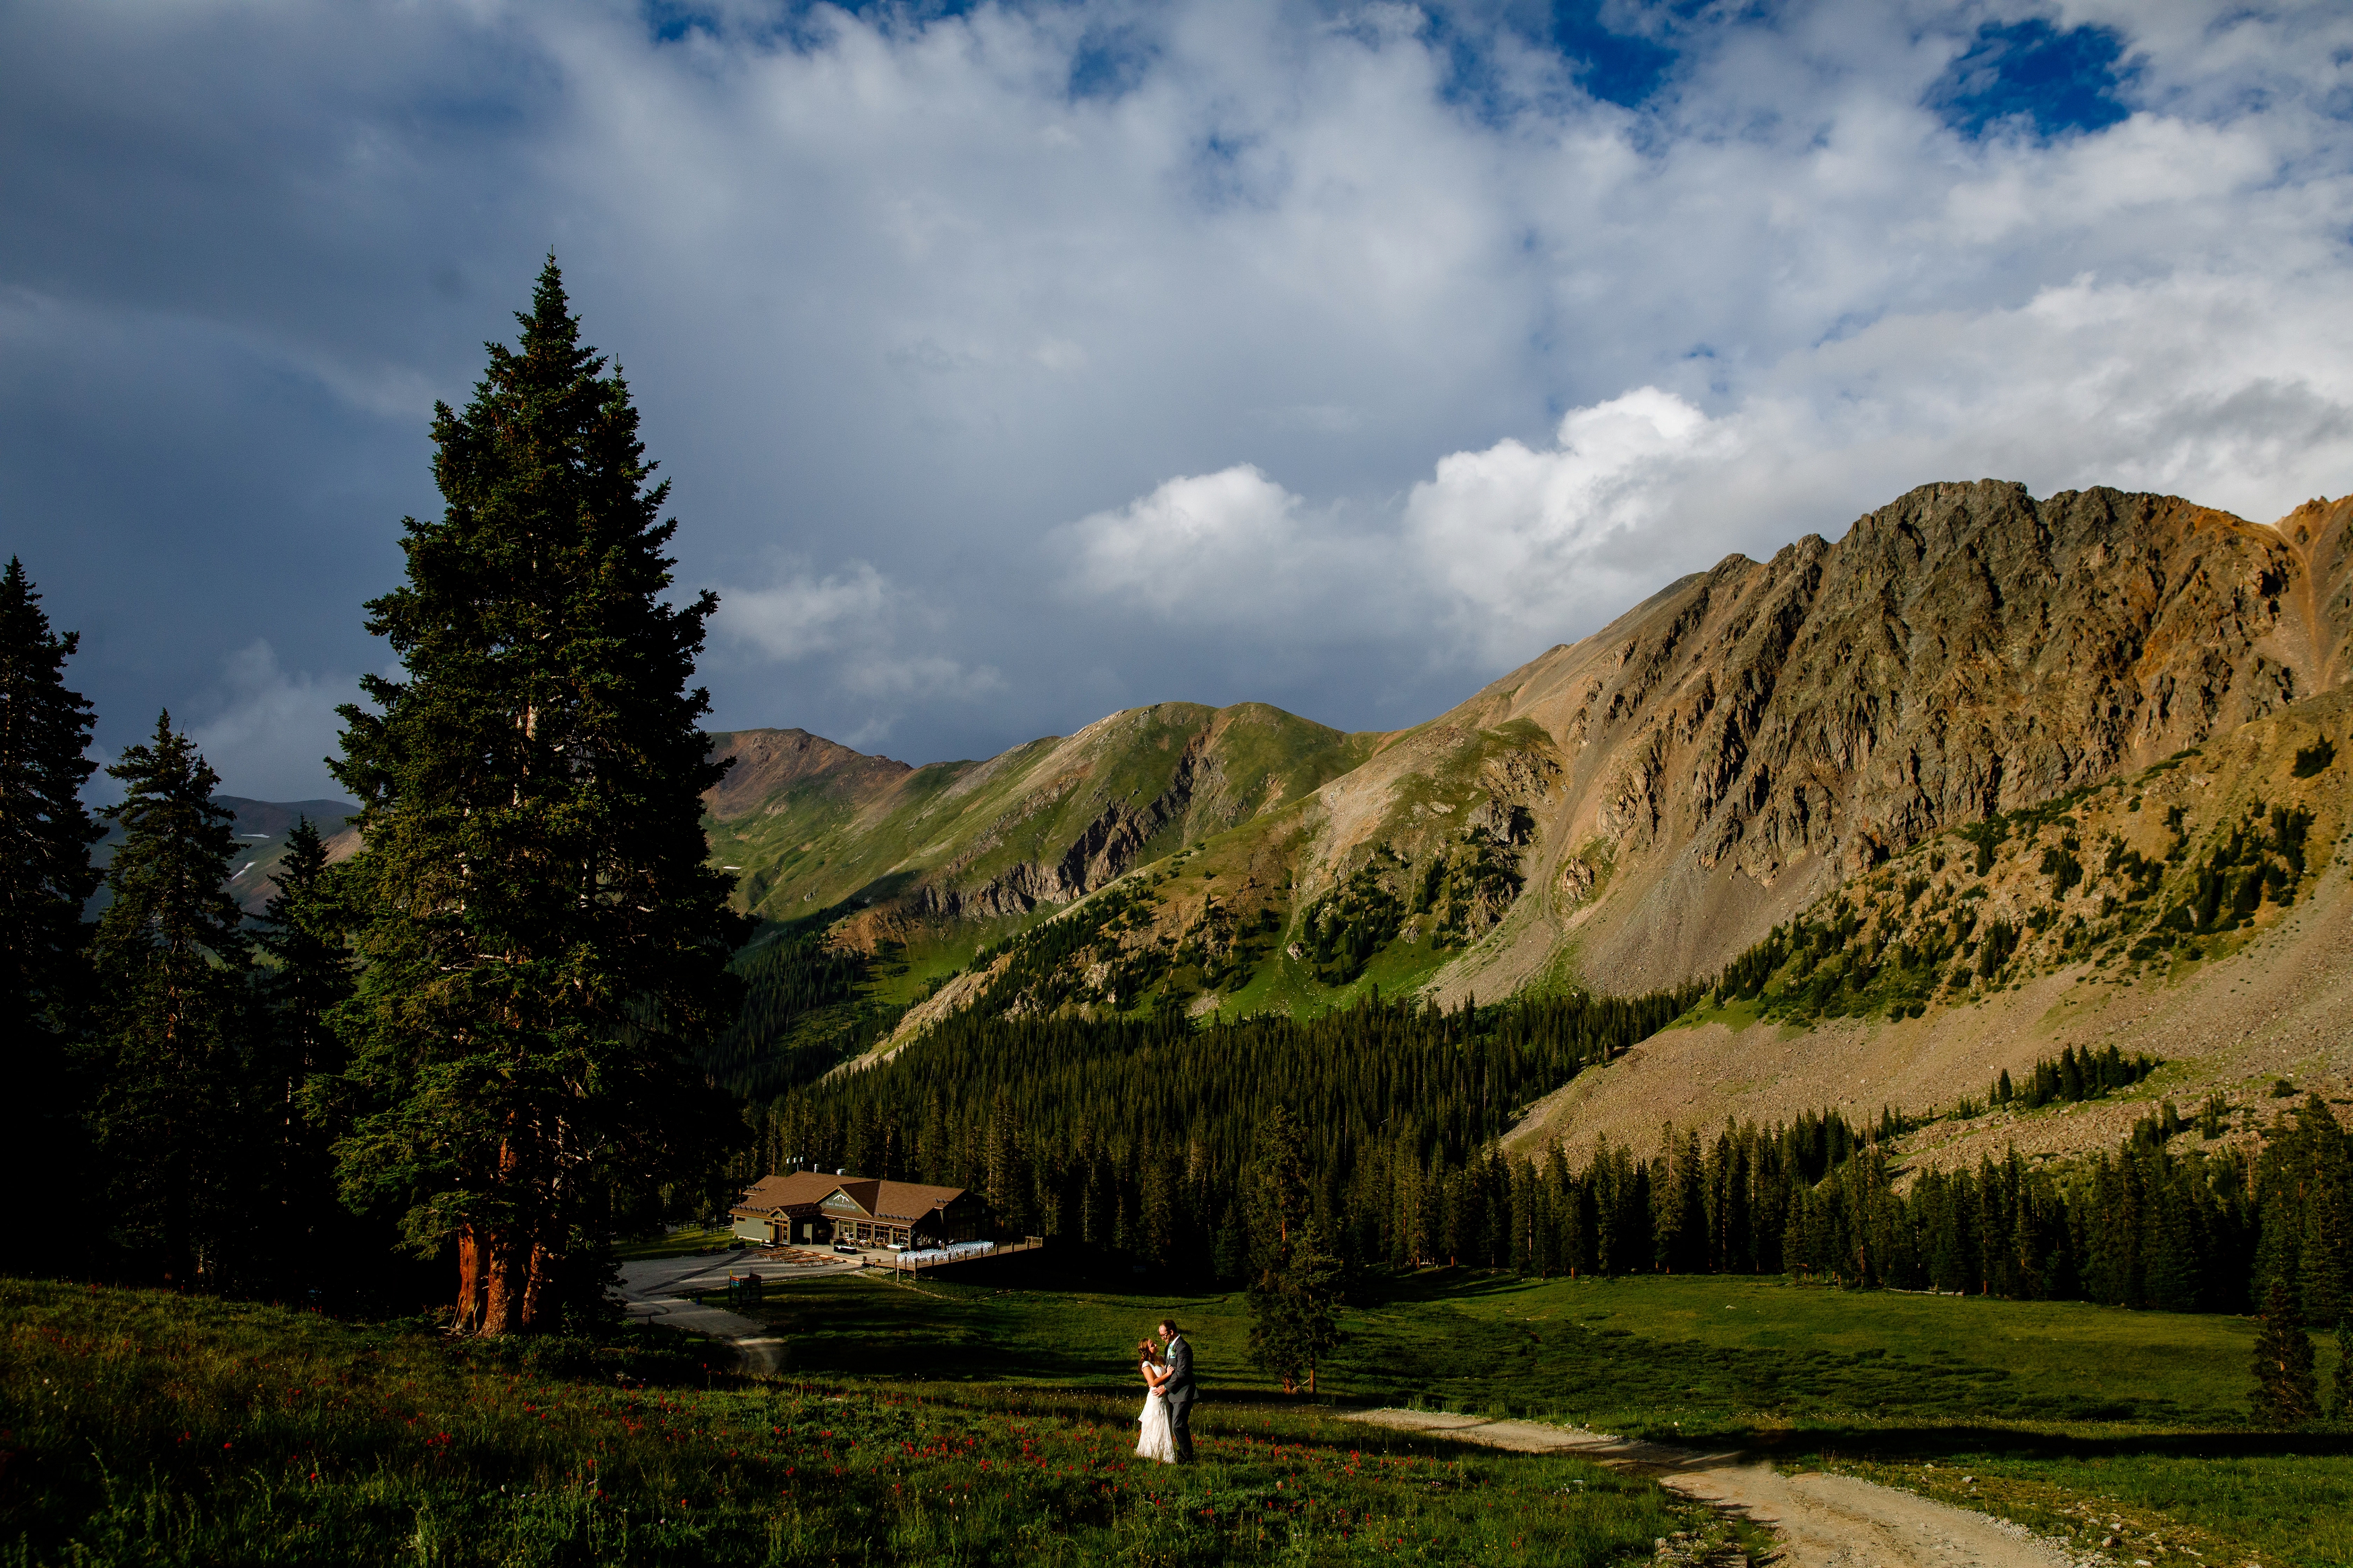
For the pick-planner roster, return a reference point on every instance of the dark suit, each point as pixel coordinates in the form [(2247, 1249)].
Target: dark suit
[(1178, 1390)]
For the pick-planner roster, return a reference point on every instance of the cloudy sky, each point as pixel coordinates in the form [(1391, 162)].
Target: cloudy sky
[(1017, 363)]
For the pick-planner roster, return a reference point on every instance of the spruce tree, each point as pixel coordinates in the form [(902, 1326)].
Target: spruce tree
[(174, 1022), (2287, 1391), (307, 975), (1283, 1252), (545, 944), (45, 834), (1310, 1284)]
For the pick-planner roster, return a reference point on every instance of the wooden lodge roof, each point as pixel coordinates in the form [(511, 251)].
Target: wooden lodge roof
[(786, 1195), (805, 1192)]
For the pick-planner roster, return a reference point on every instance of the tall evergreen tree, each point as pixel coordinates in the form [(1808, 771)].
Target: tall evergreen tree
[(305, 934), (2287, 1389), (45, 835), (1295, 1274), (545, 942), (174, 1019)]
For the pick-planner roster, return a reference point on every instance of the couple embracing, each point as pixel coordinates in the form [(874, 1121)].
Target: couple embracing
[(1168, 1417)]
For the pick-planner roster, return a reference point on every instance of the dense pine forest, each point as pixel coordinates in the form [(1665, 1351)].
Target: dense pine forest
[(1136, 1137)]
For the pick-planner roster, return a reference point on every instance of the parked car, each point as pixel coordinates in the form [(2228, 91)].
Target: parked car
[(850, 1247)]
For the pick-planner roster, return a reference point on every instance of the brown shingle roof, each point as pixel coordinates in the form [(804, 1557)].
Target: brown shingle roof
[(899, 1201), (774, 1195), (909, 1200)]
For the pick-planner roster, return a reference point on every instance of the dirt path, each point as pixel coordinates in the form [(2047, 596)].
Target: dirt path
[(663, 1289), (1822, 1521)]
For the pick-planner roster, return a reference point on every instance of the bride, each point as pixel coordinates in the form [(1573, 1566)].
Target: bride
[(1156, 1442)]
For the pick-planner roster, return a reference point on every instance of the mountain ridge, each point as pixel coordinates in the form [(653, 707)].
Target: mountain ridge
[(1635, 808), (989, 841)]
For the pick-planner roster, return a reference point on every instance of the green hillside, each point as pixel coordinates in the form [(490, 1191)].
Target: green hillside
[(1043, 824)]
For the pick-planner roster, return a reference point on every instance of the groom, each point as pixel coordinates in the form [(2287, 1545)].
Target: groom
[(1176, 1388)]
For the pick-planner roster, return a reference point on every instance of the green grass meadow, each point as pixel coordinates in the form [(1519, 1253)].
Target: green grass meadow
[(990, 1420), (141, 1428), (2092, 1423)]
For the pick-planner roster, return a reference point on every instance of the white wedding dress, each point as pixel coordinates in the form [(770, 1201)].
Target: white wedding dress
[(1157, 1441)]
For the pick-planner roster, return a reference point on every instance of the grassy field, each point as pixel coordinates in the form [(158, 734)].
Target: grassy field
[(688, 1238), (989, 1420), (2087, 1421), (139, 1427)]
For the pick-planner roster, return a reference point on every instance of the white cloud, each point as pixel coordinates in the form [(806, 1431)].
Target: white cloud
[(2196, 385), (268, 730), (1451, 360), (1526, 539), (803, 615), (852, 623), (1193, 548)]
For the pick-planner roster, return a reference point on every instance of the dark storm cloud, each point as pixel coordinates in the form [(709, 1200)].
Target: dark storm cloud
[(1015, 363)]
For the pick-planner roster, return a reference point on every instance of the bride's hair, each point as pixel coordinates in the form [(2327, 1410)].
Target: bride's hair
[(1147, 1349)]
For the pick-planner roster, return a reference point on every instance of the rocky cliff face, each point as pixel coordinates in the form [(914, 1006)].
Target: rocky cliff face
[(1756, 735)]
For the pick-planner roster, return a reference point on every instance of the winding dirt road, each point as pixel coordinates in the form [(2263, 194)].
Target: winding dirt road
[(663, 1289), (1822, 1521)]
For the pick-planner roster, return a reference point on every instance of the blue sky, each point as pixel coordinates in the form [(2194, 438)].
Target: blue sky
[(1014, 363)]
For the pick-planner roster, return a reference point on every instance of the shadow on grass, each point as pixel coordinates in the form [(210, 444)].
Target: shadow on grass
[(1893, 1444)]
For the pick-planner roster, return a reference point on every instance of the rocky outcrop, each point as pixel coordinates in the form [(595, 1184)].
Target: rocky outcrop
[(1965, 650), (765, 765)]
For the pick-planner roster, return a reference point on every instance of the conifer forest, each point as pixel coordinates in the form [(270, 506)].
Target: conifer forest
[(457, 1065), (1138, 1137)]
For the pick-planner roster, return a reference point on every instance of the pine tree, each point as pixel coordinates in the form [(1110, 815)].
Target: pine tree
[(174, 1022), (2287, 1391), (546, 944), (305, 934), (1277, 1195), (46, 835), (1312, 1288)]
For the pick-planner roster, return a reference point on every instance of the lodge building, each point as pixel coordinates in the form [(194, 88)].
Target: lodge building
[(811, 1208)]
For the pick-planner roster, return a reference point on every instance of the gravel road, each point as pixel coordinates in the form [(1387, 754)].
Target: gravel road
[(659, 1288), (1821, 1521)]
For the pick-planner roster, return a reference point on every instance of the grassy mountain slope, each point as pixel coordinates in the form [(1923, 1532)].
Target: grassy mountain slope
[(261, 829), (982, 845)]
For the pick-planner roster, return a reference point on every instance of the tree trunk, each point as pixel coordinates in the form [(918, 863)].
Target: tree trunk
[(538, 1272), (502, 1285), (468, 1318)]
